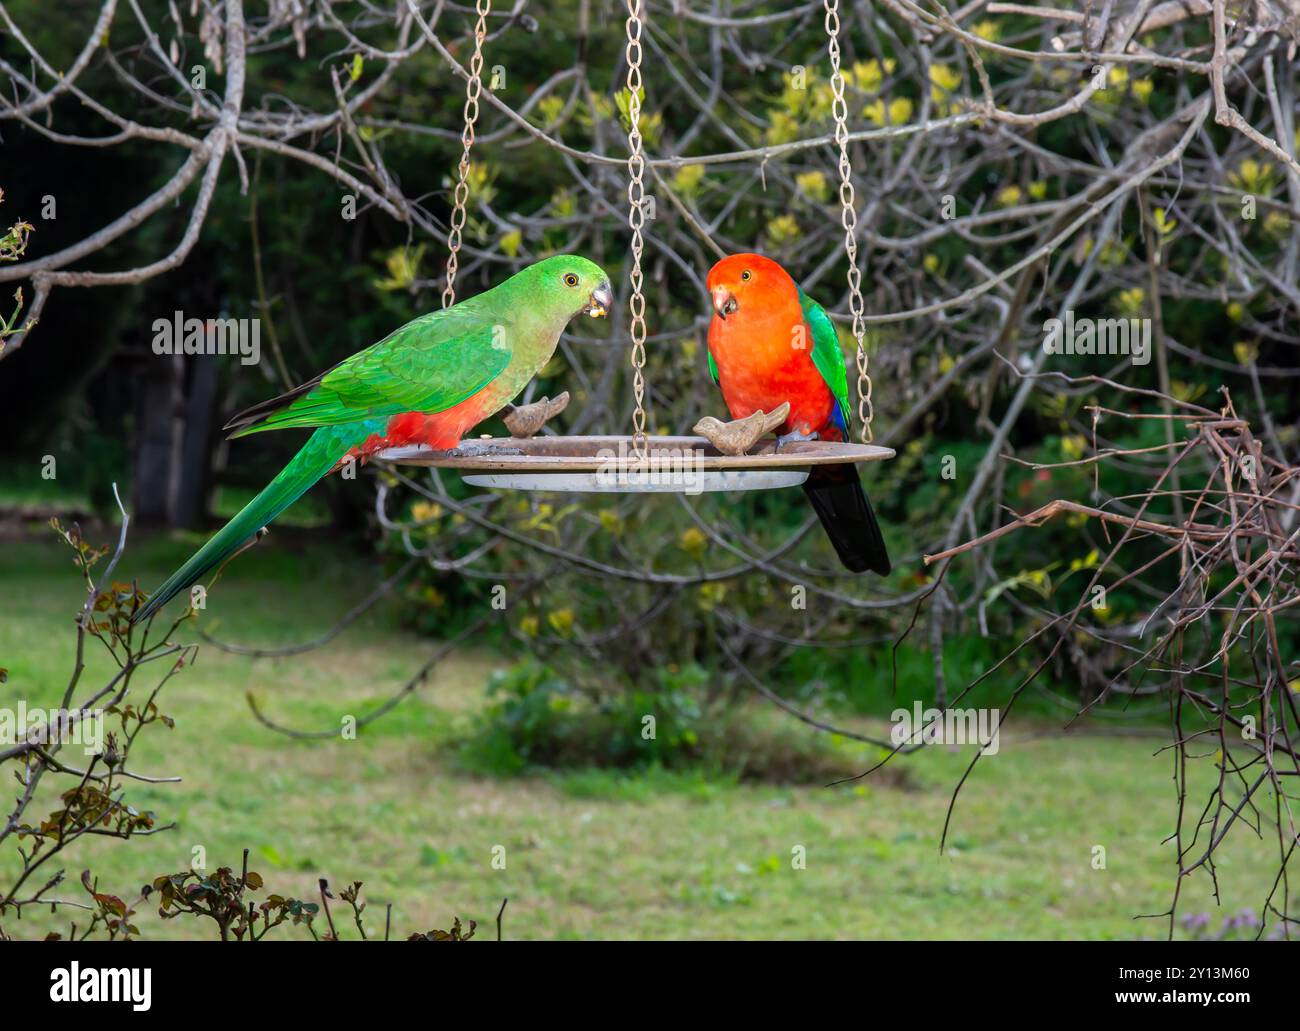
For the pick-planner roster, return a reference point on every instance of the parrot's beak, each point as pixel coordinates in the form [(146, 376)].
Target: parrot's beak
[(724, 301), (602, 299)]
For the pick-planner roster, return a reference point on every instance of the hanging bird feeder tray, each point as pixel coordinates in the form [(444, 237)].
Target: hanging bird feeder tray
[(611, 465), (730, 457)]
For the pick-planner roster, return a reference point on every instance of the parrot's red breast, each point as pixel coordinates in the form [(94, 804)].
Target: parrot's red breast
[(762, 346), (441, 431)]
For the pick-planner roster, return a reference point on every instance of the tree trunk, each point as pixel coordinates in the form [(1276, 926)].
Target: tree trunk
[(158, 400), (191, 475), (174, 414)]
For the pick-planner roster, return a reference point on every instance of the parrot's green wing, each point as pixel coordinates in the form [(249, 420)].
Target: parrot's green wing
[(429, 365), (713, 366), (827, 356)]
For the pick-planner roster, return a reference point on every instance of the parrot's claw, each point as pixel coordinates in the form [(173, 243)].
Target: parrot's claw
[(794, 436), (739, 435), (527, 420)]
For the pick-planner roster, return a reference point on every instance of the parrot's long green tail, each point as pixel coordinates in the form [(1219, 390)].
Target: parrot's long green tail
[(317, 457)]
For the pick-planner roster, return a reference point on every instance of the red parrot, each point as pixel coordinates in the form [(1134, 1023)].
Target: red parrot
[(770, 343)]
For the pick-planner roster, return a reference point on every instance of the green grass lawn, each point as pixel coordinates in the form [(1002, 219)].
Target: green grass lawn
[(588, 854)]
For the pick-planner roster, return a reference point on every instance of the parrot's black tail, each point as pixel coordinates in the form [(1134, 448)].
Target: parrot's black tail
[(845, 513)]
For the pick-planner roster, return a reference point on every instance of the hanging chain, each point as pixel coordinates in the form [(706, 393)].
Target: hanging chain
[(472, 90), (849, 218), (635, 219)]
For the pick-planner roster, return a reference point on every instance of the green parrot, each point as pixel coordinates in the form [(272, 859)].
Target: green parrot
[(429, 383)]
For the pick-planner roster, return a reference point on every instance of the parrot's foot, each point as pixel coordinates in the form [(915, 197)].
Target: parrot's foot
[(794, 436), (527, 420), (739, 435)]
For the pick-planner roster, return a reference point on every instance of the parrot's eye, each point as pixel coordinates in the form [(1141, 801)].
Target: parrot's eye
[(570, 279), (746, 275)]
